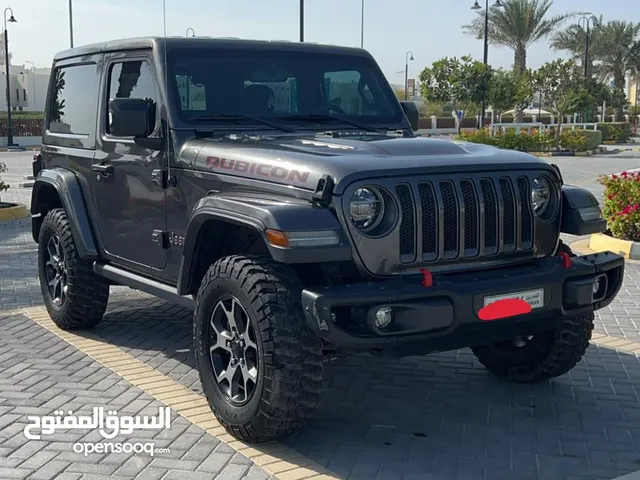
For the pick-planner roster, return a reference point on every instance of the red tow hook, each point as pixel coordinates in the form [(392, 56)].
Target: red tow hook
[(427, 278), (566, 259)]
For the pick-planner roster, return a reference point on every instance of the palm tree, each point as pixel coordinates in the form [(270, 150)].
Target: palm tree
[(518, 25), (617, 58), (573, 40)]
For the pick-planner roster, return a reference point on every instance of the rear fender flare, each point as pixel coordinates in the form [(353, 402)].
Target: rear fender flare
[(67, 186)]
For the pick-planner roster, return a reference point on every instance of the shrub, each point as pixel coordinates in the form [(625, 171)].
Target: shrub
[(573, 141), (3, 186), (536, 141), (594, 138), (622, 204), (619, 132)]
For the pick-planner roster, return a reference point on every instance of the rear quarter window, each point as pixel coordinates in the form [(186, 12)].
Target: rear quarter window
[(73, 105)]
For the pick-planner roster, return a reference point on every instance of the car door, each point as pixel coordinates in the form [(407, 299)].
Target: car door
[(127, 192)]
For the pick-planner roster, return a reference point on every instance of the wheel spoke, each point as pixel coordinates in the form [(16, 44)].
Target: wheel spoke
[(231, 316), (221, 341), (248, 342), (228, 374), (249, 373), (52, 251)]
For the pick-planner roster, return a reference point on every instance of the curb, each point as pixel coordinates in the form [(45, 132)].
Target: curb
[(599, 242), (14, 212)]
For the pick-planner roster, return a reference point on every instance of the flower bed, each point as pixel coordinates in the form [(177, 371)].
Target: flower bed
[(615, 132), (622, 205), (536, 141)]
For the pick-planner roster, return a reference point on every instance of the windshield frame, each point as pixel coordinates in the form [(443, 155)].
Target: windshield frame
[(361, 60)]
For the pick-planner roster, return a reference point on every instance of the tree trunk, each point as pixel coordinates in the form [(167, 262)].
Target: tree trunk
[(519, 66), (619, 84), (557, 133)]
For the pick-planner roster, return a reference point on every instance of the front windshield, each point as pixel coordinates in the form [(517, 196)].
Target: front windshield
[(292, 87)]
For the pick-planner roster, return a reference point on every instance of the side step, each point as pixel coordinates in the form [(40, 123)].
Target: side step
[(147, 285)]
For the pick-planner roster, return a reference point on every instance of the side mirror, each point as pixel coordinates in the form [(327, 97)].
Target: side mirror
[(411, 111), (131, 117)]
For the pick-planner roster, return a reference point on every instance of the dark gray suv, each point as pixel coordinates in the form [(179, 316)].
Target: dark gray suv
[(279, 189)]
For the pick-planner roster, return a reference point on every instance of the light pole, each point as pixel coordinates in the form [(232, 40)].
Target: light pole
[(11, 19), (192, 30), (302, 20), (408, 56), (587, 21), (362, 25), (33, 82), (71, 23), (477, 6)]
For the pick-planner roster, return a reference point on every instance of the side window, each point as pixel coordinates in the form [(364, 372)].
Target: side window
[(192, 95), (74, 100), (132, 79)]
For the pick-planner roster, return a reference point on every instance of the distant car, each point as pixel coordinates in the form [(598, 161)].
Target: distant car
[(279, 190)]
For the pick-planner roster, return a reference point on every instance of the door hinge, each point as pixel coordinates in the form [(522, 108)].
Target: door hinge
[(161, 238), (161, 178)]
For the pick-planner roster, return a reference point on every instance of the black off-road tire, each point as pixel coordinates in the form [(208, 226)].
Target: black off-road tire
[(545, 356), (87, 293), (290, 361)]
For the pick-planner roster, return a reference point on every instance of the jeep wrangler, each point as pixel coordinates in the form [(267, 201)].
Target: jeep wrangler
[(280, 191)]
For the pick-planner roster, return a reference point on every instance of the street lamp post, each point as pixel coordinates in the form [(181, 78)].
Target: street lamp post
[(302, 20), (33, 82), (476, 6), (587, 21), (193, 34), (408, 56), (71, 23), (362, 25), (11, 19)]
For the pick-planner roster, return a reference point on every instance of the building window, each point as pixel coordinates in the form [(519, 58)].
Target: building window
[(17, 94), (24, 94)]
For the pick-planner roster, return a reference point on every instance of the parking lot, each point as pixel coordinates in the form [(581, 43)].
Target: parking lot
[(436, 417)]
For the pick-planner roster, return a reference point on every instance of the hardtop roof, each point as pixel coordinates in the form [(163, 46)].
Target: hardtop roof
[(153, 42)]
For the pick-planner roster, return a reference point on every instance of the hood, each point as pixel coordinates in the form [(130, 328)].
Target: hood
[(302, 160)]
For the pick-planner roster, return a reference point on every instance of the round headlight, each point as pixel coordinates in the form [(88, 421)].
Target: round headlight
[(540, 195), (366, 208)]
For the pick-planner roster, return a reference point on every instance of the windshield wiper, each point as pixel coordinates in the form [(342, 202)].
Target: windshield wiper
[(329, 116), (237, 117)]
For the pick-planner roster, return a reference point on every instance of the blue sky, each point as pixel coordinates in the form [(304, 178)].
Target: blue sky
[(429, 28)]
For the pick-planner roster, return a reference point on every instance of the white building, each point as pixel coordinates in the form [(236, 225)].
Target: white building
[(28, 86)]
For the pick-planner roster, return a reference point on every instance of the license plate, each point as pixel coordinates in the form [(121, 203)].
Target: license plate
[(535, 298)]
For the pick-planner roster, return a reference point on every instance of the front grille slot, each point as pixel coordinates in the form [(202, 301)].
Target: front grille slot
[(509, 215), (464, 218), (429, 222), (451, 216), (407, 224)]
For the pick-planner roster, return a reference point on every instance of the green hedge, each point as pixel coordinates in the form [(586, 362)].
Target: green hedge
[(536, 141), (594, 138), (619, 132)]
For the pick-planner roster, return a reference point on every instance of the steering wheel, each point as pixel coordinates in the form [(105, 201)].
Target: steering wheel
[(328, 109)]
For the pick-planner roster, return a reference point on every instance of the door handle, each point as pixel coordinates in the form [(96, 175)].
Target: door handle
[(103, 168)]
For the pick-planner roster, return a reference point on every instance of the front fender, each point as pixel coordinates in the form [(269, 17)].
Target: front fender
[(67, 186), (581, 214), (261, 214)]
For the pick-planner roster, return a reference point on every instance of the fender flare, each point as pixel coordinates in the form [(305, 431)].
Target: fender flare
[(67, 186), (259, 216), (581, 214)]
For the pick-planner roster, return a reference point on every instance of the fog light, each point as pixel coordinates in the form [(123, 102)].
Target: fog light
[(599, 288), (384, 317)]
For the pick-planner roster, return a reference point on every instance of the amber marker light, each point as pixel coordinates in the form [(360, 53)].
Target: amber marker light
[(277, 238)]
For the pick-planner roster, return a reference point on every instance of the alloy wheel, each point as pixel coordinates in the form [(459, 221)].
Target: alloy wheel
[(56, 271), (233, 351)]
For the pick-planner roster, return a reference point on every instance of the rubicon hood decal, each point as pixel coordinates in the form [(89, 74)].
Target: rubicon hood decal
[(259, 169)]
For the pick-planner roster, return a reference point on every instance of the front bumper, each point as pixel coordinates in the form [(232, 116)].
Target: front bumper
[(445, 316)]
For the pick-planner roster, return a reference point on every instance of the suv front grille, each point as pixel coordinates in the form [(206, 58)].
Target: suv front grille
[(446, 220)]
